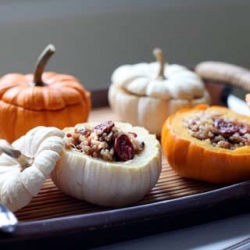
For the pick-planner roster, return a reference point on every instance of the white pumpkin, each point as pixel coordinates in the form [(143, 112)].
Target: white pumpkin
[(25, 165), (145, 94), (116, 183)]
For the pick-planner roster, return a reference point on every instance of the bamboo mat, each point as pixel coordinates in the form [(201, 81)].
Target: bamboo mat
[(52, 203)]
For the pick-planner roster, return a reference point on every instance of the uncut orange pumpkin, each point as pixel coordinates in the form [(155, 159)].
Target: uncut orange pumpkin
[(208, 143), (41, 98)]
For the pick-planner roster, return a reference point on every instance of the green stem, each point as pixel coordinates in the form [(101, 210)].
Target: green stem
[(41, 63), (160, 58), (24, 160)]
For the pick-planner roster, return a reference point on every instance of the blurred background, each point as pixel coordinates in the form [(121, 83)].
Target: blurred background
[(93, 37)]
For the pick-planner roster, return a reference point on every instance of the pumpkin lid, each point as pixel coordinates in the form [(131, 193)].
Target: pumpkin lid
[(26, 164), (159, 79)]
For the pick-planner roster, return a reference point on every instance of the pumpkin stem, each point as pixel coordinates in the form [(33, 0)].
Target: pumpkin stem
[(160, 58), (41, 63), (24, 160)]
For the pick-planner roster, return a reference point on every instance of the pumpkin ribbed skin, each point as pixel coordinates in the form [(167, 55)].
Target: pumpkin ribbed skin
[(104, 183), (22, 175), (197, 159), (62, 102)]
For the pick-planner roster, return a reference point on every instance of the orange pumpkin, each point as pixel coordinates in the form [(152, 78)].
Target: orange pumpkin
[(212, 160), (42, 98)]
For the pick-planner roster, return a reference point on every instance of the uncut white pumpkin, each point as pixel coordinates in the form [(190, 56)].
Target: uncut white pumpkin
[(25, 165), (145, 94), (109, 183)]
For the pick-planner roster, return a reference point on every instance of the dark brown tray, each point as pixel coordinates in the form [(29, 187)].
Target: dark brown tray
[(55, 219)]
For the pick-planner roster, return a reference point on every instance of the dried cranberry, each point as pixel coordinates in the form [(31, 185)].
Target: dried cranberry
[(68, 135), (104, 127), (243, 129), (225, 128), (123, 148)]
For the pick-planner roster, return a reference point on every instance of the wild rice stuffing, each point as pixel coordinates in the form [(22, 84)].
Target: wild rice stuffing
[(105, 141), (218, 130)]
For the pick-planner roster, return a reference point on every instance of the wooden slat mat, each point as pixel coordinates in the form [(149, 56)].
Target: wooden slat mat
[(52, 203)]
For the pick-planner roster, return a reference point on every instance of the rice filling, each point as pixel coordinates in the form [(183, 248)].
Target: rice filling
[(105, 141), (218, 130)]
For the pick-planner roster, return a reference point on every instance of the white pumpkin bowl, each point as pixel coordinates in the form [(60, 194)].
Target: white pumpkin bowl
[(109, 183)]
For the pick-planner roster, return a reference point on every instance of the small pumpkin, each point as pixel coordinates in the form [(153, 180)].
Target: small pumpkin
[(25, 165), (208, 143), (145, 94), (41, 99), (88, 171)]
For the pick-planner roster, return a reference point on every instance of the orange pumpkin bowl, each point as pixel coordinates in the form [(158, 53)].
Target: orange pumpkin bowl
[(42, 98), (197, 159)]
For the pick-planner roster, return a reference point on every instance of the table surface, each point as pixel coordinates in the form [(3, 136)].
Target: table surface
[(214, 235)]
